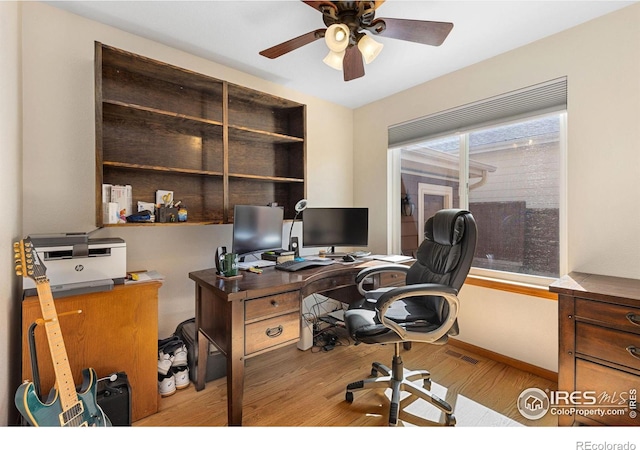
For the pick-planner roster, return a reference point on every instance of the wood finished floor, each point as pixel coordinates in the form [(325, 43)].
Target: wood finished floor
[(289, 387)]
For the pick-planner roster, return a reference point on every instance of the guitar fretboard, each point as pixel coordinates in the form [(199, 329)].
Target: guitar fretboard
[(64, 379)]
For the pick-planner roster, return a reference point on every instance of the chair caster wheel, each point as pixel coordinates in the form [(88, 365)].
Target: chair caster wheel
[(374, 373), (349, 397), (426, 384)]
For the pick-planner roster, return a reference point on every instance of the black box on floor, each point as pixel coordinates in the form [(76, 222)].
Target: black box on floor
[(216, 361), (114, 397)]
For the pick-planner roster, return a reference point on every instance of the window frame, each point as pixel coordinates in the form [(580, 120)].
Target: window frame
[(510, 281)]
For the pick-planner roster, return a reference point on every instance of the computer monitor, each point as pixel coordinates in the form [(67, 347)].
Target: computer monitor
[(333, 227), (256, 229)]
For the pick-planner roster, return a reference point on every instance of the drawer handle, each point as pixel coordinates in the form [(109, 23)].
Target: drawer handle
[(274, 332), (633, 318), (633, 351)]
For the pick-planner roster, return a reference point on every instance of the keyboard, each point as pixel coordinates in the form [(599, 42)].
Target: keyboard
[(294, 266)]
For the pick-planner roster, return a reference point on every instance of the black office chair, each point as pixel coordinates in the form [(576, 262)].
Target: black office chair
[(425, 309)]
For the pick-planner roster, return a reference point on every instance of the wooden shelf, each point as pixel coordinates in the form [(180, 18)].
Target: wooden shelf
[(131, 111), (213, 143), (173, 170)]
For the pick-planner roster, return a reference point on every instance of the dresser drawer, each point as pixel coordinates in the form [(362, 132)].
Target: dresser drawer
[(615, 316), (273, 305), (612, 388), (270, 332), (610, 345)]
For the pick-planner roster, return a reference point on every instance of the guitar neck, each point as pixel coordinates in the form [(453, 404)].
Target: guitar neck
[(64, 377)]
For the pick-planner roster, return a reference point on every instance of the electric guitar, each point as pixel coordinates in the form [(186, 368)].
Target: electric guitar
[(66, 406)]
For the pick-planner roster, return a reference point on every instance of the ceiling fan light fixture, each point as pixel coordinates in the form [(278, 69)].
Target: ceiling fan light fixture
[(337, 37), (369, 48), (334, 59)]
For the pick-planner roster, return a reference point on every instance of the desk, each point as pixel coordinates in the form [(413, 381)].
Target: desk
[(259, 313)]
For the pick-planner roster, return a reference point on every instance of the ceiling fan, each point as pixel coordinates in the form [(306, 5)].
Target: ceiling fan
[(346, 34)]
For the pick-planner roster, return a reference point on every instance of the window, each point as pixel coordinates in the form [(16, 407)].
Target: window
[(509, 175)]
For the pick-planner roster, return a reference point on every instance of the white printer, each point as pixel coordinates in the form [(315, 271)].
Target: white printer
[(76, 264)]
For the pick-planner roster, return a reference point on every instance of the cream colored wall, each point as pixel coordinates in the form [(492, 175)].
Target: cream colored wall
[(11, 188), (59, 149), (602, 62)]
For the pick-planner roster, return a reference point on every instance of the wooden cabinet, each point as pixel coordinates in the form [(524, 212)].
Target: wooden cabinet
[(116, 331), (213, 143), (599, 348)]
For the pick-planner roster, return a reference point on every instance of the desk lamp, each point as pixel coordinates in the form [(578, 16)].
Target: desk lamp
[(294, 246)]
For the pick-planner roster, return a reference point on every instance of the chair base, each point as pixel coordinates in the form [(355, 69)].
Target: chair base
[(397, 381)]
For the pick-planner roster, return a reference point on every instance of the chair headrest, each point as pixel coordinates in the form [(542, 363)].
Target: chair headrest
[(446, 227)]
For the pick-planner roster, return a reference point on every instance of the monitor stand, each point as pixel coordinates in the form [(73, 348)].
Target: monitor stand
[(333, 254)]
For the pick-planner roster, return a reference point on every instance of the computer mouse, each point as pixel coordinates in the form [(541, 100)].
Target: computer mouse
[(348, 258)]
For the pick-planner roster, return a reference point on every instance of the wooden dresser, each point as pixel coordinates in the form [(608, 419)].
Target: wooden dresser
[(599, 349), (117, 331)]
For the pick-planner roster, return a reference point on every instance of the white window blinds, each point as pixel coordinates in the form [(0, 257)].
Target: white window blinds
[(550, 96)]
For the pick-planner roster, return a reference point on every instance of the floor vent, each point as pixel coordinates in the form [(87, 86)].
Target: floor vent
[(465, 358), (470, 360), (454, 354)]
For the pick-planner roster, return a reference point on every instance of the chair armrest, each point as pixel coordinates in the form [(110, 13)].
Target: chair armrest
[(448, 293), (369, 271)]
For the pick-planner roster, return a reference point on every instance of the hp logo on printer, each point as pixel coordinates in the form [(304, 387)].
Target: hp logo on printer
[(79, 268)]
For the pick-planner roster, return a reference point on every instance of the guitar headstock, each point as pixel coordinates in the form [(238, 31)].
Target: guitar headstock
[(27, 262)]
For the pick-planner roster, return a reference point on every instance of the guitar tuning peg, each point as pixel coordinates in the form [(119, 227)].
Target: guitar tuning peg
[(16, 245)]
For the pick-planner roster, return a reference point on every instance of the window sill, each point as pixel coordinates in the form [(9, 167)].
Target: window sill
[(511, 286)]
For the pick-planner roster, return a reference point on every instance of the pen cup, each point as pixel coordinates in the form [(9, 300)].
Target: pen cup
[(230, 265)]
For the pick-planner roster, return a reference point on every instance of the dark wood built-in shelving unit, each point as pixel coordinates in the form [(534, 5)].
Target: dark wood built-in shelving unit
[(213, 143)]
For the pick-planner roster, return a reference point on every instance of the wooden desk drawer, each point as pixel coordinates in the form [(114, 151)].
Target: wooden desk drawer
[(392, 279), (609, 385), (273, 305), (270, 332), (610, 345), (616, 316), (326, 284)]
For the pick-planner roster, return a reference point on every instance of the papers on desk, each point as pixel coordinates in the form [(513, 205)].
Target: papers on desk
[(143, 276), (392, 258), (259, 263)]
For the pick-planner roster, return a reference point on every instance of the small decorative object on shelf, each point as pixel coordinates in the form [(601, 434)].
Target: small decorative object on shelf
[(182, 214)]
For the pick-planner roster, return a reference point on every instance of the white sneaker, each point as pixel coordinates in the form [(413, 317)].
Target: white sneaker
[(164, 363), (181, 375), (179, 357), (166, 385)]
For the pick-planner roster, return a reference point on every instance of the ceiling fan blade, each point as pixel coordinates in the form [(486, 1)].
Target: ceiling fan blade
[(292, 44), (352, 64), (420, 31)]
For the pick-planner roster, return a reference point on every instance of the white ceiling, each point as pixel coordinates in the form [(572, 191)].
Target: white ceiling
[(233, 32)]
